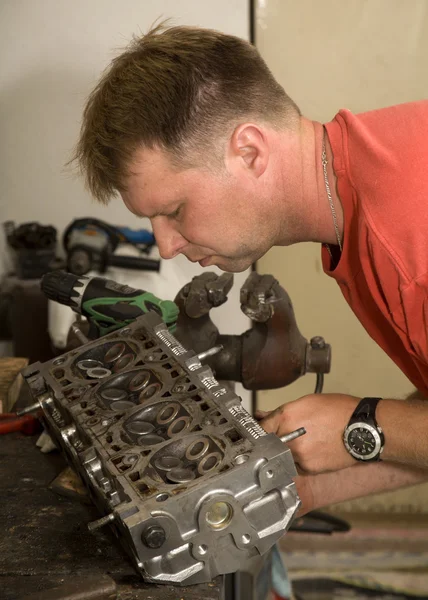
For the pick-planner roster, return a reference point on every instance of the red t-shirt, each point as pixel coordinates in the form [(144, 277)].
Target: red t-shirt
[(381, 164)]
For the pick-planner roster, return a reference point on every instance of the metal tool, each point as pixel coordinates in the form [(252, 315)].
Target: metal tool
[(271, 354), (289, 437), (106, 304), (190, 482), (90, 244)]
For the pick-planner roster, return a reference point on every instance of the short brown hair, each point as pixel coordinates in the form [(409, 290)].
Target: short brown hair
[(178, 89)]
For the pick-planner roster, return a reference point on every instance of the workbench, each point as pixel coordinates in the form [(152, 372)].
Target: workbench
[(44, 540)]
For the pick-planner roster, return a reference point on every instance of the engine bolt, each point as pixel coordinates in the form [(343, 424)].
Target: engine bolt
[(153, 536), (318, 342)]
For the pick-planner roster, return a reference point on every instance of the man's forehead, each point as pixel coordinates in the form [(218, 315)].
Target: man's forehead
[(149, 162), (150, 188)]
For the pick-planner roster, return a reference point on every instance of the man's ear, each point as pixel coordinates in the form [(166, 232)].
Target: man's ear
[(248, 149)]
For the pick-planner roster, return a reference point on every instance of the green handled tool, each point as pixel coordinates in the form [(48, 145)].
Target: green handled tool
[(106, 304)]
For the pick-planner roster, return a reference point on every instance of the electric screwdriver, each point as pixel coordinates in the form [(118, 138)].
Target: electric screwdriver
[(106, 304)]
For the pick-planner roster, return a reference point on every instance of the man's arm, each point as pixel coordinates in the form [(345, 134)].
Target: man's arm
[(406, 424), (318, 491), (325, 416)]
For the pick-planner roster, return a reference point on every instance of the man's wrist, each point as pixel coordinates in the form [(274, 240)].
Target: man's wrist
[(363, 437)]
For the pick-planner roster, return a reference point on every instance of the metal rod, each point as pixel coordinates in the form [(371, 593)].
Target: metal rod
[(210, 352), (288, 437), (101, 522), (28, 409), (320, 383), (79, 334)]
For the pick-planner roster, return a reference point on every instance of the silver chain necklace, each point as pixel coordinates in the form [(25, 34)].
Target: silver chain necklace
[(330, 199)]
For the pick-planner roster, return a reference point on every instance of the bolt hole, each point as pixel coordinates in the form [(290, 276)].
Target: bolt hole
[(202, 549), (269, 474), (59, 361), (162, 497), (246, 538)]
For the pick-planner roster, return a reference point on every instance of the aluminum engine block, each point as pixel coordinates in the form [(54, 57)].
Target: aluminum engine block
[(190, 483)]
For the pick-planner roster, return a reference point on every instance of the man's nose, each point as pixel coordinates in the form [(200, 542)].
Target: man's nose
[(169, 241)]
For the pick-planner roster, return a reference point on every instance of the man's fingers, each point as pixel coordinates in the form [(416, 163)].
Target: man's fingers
[(261, 414), (271, 423)]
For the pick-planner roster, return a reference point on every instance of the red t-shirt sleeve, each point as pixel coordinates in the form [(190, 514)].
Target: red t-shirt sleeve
[(413, 314)]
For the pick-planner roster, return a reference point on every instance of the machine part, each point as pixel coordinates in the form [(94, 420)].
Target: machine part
[(114, 353), (90, 245), (98, 373), (153, 537), (167, 463), (106, 304), (123, 362), (79, 334), (114, 394), (319, 383), (320, 522), (150, 439), (89, 363), (210, 352), (318, 356), (180, 475), (150, 391), (191, 483), (253, 582), (288, 437), (271, 354), (120, 405), (101, 522), (139, 382), (141, 427), (29, 409)]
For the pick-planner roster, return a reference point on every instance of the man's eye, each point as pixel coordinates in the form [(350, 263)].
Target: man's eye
[(175, 214)]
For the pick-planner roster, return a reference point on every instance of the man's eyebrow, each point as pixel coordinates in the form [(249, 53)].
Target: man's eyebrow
[(167, 211)]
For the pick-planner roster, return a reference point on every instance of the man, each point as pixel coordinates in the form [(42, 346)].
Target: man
[(193, 131)]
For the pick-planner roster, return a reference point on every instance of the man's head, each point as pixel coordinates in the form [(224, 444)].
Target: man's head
[(185, 120)]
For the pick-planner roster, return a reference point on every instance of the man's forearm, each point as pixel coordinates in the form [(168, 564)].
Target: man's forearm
[(318, 491), (405, 425)]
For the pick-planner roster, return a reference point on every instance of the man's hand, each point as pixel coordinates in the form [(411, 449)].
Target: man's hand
[(324, 417)]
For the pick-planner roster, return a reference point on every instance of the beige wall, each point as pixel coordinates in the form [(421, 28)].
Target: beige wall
[(51, 54), (329, 55)]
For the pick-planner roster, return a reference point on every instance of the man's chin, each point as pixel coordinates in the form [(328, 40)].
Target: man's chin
[(228, 265), (232, 266)]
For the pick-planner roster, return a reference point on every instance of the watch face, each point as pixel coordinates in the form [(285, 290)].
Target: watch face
[(362, 441)]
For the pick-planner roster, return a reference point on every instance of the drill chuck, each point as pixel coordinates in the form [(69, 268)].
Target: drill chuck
[(64, 288)]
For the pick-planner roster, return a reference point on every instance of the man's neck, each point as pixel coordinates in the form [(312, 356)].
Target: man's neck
[(313, 219)]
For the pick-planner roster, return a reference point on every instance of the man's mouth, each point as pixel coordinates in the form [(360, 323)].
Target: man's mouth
[(205, 261), (193, 260)]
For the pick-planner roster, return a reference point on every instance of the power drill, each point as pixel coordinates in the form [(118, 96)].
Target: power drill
[(106, 304)]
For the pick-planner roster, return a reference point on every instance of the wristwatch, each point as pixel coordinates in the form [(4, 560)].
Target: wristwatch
[(363, 438)]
